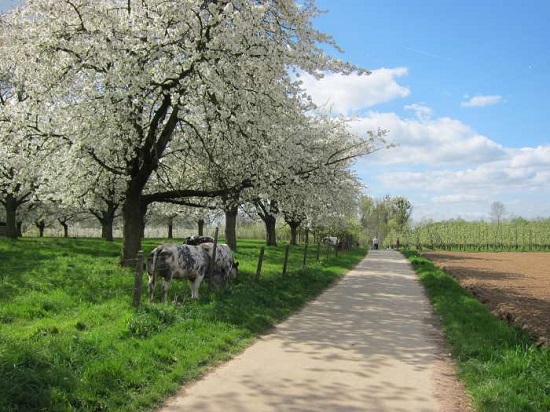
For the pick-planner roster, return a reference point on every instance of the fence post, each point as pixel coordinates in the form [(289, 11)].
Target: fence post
[(286, 260), (213, 260), (260, 262), (137, 280), (305, 256)]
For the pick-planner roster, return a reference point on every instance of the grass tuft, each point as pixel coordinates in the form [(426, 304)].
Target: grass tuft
[(70, 338), (502, 368)]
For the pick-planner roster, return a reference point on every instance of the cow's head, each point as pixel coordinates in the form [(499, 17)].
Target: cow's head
[(234, 272), (191, 240)]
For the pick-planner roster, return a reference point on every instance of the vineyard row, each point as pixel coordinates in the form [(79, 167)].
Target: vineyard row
[(528, 236)]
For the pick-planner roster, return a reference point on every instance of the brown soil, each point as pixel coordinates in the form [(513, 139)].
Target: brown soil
[(515, 286)]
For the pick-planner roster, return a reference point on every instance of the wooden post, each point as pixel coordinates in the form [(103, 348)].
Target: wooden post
[(286, 260), (260, 262), (213, 260), (137, 279), (305, 256)]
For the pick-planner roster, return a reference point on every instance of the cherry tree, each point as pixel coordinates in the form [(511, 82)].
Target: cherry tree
[(16, 185), (319, 154), (132, 84), (330, 205), (79, 183), (20, 172)]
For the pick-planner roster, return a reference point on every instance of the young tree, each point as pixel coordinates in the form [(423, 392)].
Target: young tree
[(380, 216), (497, 213), (401, 212)]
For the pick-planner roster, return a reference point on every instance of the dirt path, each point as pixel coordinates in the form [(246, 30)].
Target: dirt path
[(366, 344), (514, 285)]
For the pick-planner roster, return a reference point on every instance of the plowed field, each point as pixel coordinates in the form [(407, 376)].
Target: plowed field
[(515, 286)]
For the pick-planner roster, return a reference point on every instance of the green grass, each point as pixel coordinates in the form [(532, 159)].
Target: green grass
[(70, 339), (501, 367)]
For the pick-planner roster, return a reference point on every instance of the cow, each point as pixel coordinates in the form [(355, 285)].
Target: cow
[(226, 267), (197, 240), (189, 262), (330, 241)]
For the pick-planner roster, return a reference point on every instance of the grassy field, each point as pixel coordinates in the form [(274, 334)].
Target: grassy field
[(502, 368), (71, 340)]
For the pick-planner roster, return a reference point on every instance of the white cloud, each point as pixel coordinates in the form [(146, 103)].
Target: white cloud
[(483, 180), (422, 140), (448, 170), (442, 165), (481, 101), (457, 198), (421, 111), (532, 156), (353, 93)]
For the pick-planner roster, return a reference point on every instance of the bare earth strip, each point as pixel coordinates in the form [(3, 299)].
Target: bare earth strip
[(369, 343), (514, 285)]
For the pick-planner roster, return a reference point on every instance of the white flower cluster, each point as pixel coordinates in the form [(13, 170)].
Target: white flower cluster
[(154, 100)]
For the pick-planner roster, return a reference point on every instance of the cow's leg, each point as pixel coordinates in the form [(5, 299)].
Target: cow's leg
[(152, 283), (192, 287), (165, 286), (225, 276), (195, 287)]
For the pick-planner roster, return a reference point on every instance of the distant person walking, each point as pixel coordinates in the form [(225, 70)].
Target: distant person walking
[(397, 244), (375, 243)]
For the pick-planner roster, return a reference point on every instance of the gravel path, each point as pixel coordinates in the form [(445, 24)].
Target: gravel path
[(366, 344)]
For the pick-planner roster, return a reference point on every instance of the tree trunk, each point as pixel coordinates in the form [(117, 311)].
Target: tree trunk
[(133, 213), (270, 235), (65, 229), (107, 229), (231, 227), (200, 224), (106, 217), (170, 228), (293, 232), (11, 216), (41, 226)]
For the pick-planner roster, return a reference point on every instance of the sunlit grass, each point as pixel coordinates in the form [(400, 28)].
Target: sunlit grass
[(502, 368), (71, 340)]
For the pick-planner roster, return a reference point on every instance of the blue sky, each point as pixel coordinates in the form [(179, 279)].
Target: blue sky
[(463, 87)]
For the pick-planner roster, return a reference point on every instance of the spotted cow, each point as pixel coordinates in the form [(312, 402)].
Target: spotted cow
[(330, 241), (226, 268), (189, 262), (197, 240)]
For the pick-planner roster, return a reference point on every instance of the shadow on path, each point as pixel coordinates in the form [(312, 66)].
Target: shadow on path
[(366, 344)]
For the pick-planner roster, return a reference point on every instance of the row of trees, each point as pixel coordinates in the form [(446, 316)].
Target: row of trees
[(387, 218), (516, 234), (111, 106)]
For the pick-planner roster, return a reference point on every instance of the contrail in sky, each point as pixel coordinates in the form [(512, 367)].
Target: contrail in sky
[(425, 53)]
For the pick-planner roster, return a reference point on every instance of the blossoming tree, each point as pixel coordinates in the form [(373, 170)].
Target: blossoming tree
[(138, 86)]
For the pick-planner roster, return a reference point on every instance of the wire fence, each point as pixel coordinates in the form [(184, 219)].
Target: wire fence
[(317, 253), (310, 253)]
